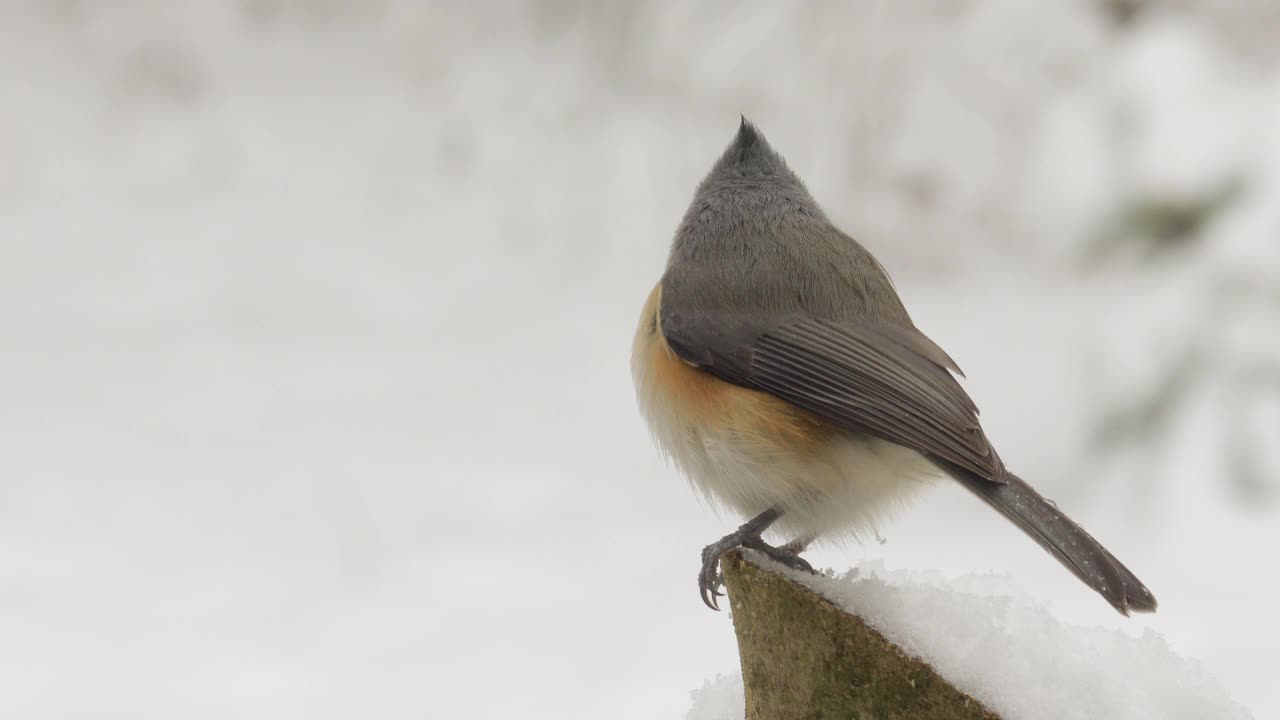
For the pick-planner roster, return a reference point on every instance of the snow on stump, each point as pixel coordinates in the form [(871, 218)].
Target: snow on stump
[(803, 657)]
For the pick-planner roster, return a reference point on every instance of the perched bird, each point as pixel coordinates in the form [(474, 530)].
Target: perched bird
[(776, 365)]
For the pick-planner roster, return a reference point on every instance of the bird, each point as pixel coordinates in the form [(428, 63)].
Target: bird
[(777, 367)]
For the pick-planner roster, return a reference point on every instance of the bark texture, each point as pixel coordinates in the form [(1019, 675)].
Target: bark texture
[(804, 658)]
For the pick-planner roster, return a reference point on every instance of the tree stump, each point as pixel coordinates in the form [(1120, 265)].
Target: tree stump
[(804, 658)]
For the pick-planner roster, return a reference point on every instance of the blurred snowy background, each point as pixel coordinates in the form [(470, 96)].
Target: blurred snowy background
[(315, 322)]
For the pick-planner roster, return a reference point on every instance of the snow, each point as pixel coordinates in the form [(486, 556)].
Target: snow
[(720, 698), (314, 327), (986, 637)]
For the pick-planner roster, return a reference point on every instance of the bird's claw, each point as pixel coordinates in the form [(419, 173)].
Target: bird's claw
[(710, 580)]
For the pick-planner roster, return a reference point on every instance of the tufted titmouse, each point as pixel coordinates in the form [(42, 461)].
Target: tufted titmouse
[(777, 367)]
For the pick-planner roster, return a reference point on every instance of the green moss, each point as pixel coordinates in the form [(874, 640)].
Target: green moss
[(804, 658)]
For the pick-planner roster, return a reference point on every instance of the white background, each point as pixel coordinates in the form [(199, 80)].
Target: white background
[(315, 325)]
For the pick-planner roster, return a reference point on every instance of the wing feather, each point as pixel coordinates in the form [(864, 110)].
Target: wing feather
[(864, 378)]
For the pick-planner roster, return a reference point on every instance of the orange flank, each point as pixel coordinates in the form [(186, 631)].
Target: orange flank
[(703, 400)]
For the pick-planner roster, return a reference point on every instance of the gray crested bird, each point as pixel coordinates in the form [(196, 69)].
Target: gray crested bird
[(777, 367)]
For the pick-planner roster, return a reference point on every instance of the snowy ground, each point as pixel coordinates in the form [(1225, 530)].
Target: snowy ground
[(314, 338)]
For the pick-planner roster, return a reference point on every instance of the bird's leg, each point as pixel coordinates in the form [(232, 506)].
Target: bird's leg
[(747, 536), (709, 578), (788, 554), (800, 544)]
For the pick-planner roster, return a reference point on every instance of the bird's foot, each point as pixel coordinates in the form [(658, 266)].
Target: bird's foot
[(784, 555), (709, 578)]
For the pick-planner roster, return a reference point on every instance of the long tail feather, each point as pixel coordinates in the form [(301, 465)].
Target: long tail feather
[(1085, 557)]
